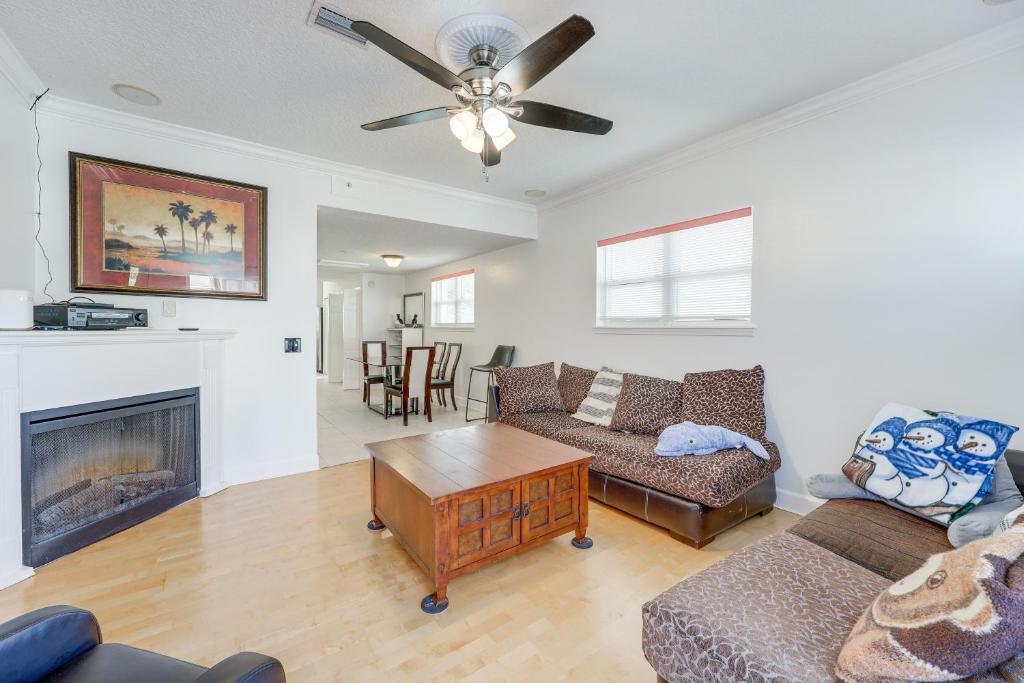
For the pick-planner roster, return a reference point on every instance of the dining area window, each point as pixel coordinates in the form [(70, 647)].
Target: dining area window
[(452, 299)]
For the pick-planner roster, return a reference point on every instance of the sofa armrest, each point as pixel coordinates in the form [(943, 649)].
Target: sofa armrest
[(245, 667), (40, 642), (493, 404)]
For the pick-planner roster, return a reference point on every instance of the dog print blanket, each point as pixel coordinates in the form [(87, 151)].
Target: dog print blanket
[(960, 614)]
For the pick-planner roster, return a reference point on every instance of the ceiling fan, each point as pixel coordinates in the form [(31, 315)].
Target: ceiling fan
[(486, 93)]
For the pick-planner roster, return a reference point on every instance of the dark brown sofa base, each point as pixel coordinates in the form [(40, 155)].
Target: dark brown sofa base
[(687, 521)]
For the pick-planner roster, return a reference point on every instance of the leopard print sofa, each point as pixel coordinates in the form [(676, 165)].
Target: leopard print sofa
[(693, 497)]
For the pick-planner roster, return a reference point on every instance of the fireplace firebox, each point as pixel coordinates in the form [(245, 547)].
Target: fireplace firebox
[(92, 470)]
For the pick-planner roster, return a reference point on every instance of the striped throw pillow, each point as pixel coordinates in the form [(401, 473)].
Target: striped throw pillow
[(599, 405)]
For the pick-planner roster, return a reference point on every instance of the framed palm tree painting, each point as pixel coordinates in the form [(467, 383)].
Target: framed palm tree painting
[(144, 230)]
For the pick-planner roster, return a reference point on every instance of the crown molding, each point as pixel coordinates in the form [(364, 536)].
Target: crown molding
[(80, 112), (17, 71), (979, 47)]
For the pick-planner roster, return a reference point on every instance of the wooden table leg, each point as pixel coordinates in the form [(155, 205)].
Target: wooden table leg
[(375, 523), (438, 600), (582, 519)]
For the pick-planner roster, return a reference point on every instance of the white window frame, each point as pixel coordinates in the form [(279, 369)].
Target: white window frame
[(471, 273), (732, 326)]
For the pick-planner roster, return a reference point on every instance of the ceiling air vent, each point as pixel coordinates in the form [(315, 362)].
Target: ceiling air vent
[(327, 18)]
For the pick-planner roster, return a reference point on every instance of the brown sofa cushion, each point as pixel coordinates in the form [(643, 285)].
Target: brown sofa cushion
[(574, 385), (874, 535), (776, 611), (529, 389), (713, 480), (544, 424), (647, 405), (733, 399)]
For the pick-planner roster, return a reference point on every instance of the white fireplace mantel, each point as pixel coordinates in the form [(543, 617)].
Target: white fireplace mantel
[(53, 369)]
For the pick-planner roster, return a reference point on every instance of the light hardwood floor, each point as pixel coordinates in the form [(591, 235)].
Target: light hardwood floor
[(288, 568)]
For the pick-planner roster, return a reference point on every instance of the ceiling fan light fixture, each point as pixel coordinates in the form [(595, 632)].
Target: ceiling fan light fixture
[(503, 140), (474, 142), (462, 124), (495, 122), (392, 260)]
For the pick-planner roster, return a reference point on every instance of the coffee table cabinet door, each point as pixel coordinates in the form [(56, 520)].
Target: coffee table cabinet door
[(484, 524), (550, 502)]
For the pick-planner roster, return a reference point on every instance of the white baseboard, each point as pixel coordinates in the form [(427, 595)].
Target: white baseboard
[(13, 576), (799, 503), (270, 470)]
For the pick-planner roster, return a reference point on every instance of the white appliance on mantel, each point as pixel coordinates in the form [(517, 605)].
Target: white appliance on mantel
[(53, 369)]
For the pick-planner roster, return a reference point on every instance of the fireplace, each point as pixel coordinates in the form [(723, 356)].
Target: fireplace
[(89, 471)]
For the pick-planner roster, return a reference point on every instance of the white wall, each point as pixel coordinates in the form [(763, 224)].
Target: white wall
[(382, 299), (270, 404), (334, 280), (888, 266), (17, 189)]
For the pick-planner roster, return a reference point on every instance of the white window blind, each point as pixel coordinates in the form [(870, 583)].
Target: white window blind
[(695, 271), (451, 298)]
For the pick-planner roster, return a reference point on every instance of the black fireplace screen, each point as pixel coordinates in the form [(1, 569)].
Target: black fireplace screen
[(92, 470)]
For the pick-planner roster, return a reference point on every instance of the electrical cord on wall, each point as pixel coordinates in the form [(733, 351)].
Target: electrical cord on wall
[(39, 197)]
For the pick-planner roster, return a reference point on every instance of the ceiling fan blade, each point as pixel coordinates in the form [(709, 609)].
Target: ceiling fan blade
[(490, 154), (409, 56), (541, 56), (550, 116), (406, 119)]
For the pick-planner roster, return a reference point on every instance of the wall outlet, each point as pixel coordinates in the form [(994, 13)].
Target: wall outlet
[(170, 308), (292, 344)]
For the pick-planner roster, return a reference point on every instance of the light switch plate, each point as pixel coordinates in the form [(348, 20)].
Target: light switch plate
[(170, 308), (292, 344)]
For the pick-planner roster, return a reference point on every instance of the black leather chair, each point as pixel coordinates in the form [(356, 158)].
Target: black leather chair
[(501, 358), (62, 644)]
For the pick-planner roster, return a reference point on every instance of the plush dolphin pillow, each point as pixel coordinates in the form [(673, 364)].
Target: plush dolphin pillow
[(688, 438), (960, 614), (935, 464)]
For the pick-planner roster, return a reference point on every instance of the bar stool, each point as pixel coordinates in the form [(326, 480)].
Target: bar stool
[(502, 358)]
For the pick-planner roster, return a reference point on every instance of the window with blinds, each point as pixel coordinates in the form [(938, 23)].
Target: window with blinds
[(451, 299), (675, 275)]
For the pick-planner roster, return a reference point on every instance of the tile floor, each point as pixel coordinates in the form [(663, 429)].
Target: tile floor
[(344, 423)]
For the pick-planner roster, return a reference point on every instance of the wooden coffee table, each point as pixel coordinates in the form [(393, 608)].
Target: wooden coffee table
[(461, 499)]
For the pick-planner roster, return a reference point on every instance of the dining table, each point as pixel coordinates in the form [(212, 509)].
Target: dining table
[(391, 368)]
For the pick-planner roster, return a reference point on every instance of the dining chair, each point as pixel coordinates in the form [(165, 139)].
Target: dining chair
[(501, 358), (439, 357), (415, 386), (446, 378), (373, 373)]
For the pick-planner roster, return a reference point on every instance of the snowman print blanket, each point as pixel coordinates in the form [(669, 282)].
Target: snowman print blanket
[(936, 465)]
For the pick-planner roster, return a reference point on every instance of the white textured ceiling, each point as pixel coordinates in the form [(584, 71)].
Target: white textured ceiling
[(668, 73), (343, 235)]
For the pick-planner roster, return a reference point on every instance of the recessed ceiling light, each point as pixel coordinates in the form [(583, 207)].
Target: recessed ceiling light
[(536, 194), (393, 260), (135, 95)]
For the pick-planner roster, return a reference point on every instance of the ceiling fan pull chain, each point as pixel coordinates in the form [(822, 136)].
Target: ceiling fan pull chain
[(487, 178)]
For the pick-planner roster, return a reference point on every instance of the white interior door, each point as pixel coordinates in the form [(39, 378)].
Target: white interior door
[(325, 361), (336, 338), (352, 316)]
